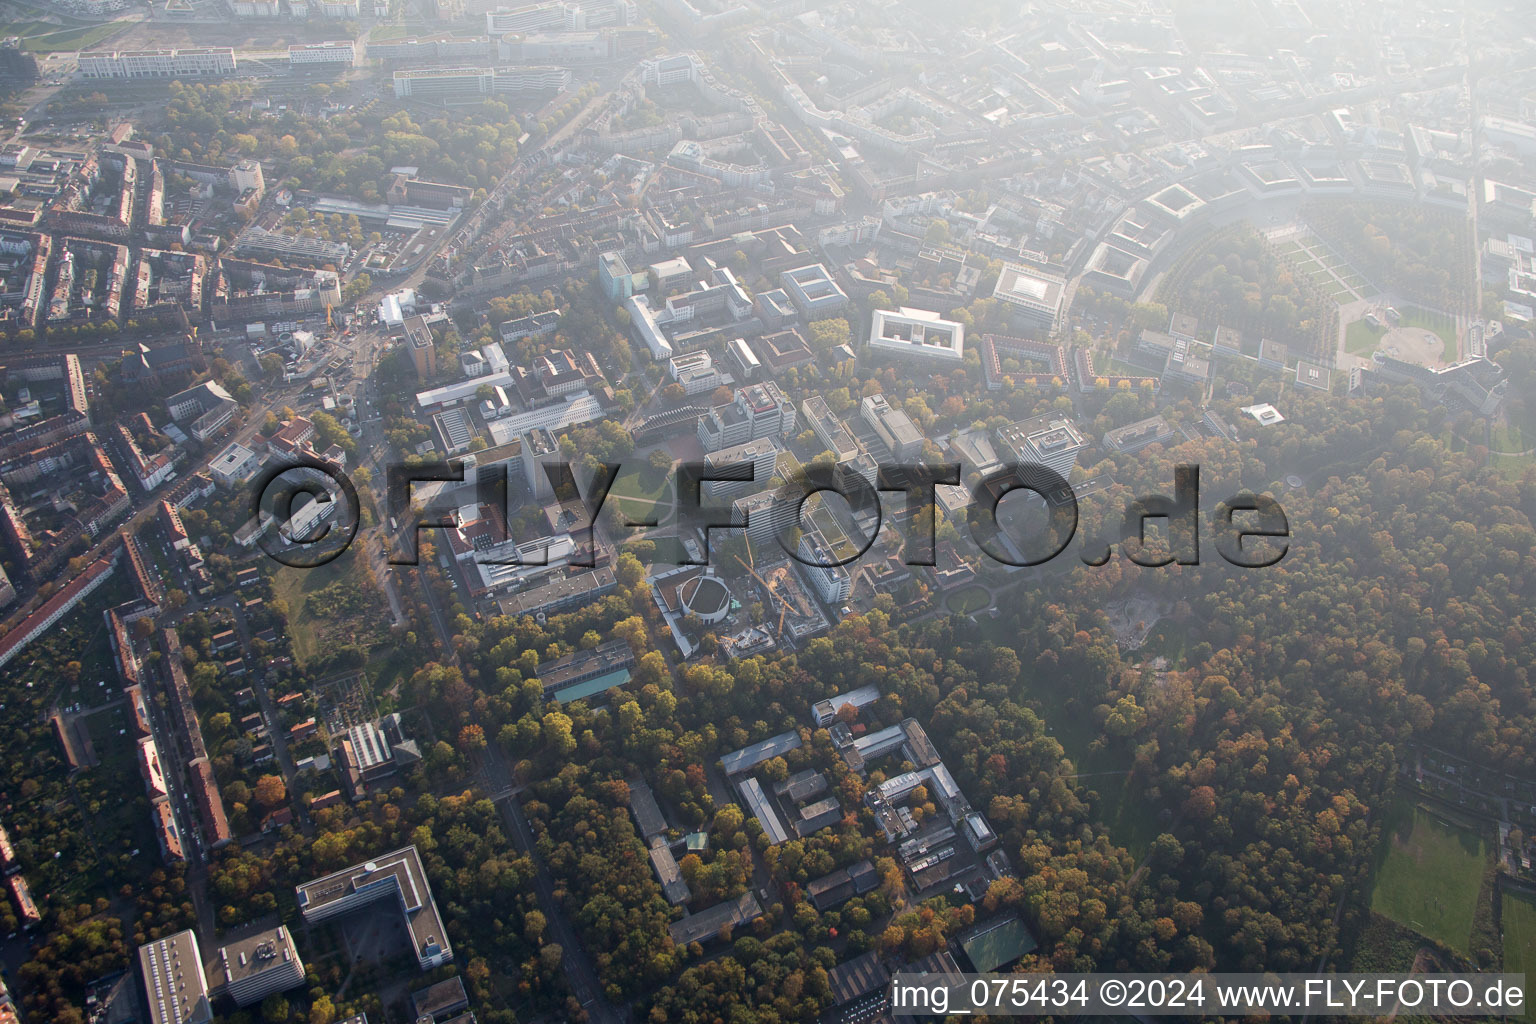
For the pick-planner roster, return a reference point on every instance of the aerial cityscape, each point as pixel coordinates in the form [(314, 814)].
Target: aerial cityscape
[(698, 510)]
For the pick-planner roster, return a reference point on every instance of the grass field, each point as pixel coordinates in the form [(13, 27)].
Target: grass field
[(42, 37), (1361, 339), (1519, 919), (638, 488), (1428, 875), (971, 599)]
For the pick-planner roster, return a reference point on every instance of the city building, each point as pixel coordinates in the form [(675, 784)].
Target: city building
[(697, 373), (1034, 296), (201, 62), (1050, 440), (334, 51), (254, 967), (762, 454), (397, 876), (418, 340), (894, 427), (832, 582), (829, 429), (177, 989), (1133, 437), (758, 410), (918, 333), (813, 291), (588, 672)]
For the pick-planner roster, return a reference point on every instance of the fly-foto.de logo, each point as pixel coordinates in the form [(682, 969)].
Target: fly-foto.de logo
[(307, 514)]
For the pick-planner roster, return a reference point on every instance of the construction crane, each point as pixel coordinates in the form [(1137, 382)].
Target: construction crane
[(767, 587)]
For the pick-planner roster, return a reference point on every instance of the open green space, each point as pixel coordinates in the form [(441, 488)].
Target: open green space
[(1518, 918), (1361, 339), (43, 37), (335, 605), (1428, 874), (967, 601), (637, 488)]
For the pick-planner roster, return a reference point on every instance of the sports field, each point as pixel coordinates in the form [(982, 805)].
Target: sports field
[(1519, 923), (1429, 874)]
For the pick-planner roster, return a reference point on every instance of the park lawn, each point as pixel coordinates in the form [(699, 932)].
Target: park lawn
[(638, 488), (1428, 875), (1361, 339), (971, 599), (1510, 467), (382, 33)]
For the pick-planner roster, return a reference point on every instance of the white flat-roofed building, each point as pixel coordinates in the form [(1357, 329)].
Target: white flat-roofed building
[(235, 465), (1032, 294), (435, 82), (1051, 441), (762, 454), (829, 430), (256, 966), (643, 322), (526, 18), (332, 51), (398, 875), (892, 426), (167, 63), (764, 514), (759, 410), (832, 583), (697, 372), (917, 332), (813, 291), (172, 969), (745, 359), (539, 447)]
